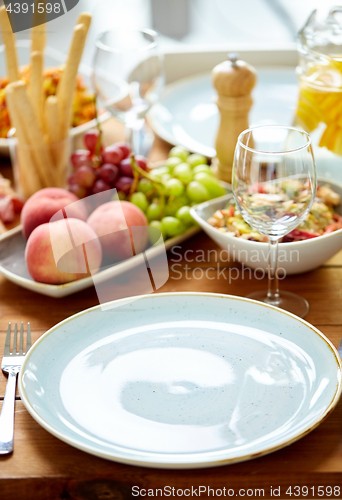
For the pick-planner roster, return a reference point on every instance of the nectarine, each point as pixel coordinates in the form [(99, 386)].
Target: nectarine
[(62, 251), (41, 206), (116, 224)]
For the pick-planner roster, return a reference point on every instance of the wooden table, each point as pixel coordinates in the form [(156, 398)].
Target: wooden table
[(44, 468)]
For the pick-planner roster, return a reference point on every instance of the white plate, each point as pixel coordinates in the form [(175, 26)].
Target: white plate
[(181, 380), (13, 265), (187, 113)]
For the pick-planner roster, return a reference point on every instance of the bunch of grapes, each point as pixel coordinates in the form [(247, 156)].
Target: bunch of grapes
[(98, 169), (165, 194)]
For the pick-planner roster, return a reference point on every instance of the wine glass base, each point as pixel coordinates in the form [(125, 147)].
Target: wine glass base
[(291, 302)]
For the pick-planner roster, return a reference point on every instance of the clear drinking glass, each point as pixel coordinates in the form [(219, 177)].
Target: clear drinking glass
[(128, 77), (274, 185)]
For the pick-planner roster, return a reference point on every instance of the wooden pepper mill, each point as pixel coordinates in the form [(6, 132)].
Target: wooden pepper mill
[(234, 81)]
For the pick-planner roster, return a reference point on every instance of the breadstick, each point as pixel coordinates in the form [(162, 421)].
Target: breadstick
[(28, 177), (51, 119), (38, 32), (9, 42), (40, 151), (38, 38), (51, 126), (84, 18), (36, 85), (67, 84)]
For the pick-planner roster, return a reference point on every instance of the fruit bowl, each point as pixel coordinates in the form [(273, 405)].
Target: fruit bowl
[(293, 258), (13, 265)]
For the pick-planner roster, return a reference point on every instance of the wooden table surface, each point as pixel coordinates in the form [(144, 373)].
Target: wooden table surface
[(43, 467)]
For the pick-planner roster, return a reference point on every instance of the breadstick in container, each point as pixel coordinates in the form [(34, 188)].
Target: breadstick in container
[(38, 33), (51, 119), (38, 38), (84, 18), (27, 174), (67, 85), (59, 151), (10, 49), (40, 151), (36, 85)]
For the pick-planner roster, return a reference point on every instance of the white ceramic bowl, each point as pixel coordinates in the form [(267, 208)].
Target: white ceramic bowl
[(294, 258), (52, 58)]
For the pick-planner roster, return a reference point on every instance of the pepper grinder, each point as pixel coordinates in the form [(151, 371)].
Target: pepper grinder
[(234, 81)]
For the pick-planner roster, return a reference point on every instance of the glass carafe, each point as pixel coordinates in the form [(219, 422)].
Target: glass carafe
[(319, 108)]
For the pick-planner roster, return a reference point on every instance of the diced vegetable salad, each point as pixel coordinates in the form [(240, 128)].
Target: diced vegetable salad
[(84, 106), (322, 219)]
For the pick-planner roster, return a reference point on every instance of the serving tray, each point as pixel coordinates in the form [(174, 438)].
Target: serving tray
[(13, 266)]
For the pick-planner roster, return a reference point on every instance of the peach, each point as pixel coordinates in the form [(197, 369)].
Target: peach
[(113, 223), (41, 206), (71, 243)]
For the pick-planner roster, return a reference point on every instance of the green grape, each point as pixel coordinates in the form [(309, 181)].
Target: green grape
[(155, 235), (184, 200), (212, 184), (154, 211), (144, 186), (183, 172), (173, 162), (197, 192), (203, 168), (139, 199), (172, 226), (183, 214), (174, 187), (196, 159), (165, 178), (172, 206), (179, 152), (157, 173)]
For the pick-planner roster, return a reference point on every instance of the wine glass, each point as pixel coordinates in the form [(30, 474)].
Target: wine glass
[(128, 77), (274, 185)]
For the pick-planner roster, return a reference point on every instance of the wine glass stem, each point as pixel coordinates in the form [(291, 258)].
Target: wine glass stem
[(134, 133), (273, 284)]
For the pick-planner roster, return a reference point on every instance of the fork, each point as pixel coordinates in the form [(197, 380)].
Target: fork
[(11, 364)]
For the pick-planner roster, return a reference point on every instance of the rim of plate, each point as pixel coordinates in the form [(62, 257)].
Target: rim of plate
[(152, 115), (158, 125), (206, 460)]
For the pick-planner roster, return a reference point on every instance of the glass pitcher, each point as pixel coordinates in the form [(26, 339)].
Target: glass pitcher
[(319, 107)]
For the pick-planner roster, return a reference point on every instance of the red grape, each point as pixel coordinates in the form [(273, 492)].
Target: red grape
[(124, 184), (125, 148), (85, 176), (72, 179), (91, 138), (80, 157), (109, 172), (100, 186), (141, 161), (126, 167), (112, 155), (78, 190)]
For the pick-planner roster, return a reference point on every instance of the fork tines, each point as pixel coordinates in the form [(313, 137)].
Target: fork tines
[(7, 350)]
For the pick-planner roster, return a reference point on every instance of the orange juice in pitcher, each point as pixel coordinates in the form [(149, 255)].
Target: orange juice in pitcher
[(319, 107)]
